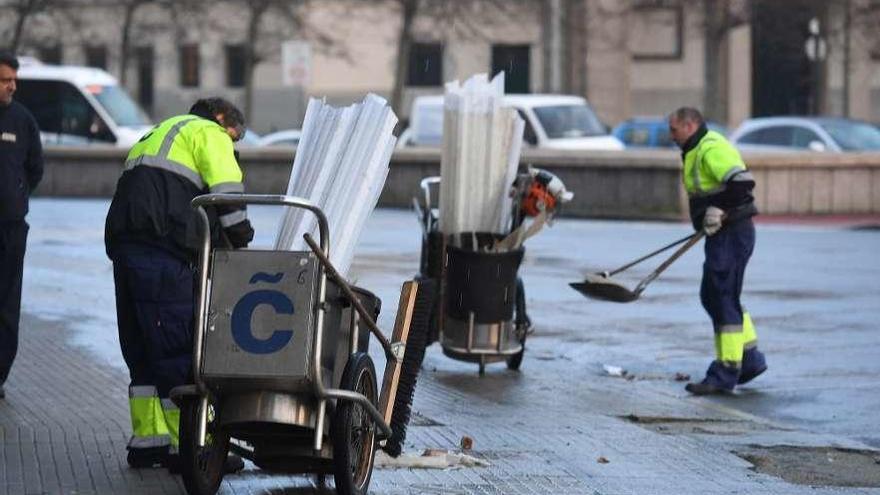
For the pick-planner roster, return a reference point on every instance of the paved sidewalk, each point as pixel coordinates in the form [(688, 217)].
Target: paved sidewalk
[(65, 424), (548, 429)]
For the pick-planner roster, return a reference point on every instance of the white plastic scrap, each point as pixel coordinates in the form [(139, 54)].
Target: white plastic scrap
[(341, 164), (482, 140), (429, 459)]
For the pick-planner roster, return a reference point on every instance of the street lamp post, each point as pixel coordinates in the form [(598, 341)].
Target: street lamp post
[(816, 49)]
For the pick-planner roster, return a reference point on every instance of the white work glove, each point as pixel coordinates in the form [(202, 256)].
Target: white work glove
[(712, 220)]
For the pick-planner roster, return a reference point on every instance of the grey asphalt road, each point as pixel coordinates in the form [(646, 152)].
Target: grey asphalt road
[(813, 291)]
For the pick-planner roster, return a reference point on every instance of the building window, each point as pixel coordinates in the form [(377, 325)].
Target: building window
[(189, 65), (235, 61), (657, 32), (514, 61), (50, 54), (425, 64), (96, 56)]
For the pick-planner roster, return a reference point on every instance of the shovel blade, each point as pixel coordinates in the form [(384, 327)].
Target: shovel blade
[(604, 289)]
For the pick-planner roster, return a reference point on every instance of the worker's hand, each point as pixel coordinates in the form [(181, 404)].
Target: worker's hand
[(712, 220), (240, 234)]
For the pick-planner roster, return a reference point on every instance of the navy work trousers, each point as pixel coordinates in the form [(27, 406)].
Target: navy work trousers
[(13, 238), (154, 309), (727, 254)]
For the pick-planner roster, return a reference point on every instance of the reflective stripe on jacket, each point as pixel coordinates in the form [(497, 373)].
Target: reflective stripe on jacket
[(710, 168), (177, 160)]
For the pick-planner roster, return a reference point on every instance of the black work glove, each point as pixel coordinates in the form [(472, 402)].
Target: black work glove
[(240, 234)]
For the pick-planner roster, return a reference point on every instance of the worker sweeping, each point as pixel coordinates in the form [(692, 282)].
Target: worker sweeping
[(150, 235), (719, 188)]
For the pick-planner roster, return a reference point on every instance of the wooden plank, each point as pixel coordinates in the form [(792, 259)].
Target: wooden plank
[(405, 308)]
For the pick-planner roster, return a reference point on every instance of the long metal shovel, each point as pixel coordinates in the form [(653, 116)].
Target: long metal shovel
[(601, 286)]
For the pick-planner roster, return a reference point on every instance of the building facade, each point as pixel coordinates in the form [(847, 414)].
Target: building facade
[(734, 58)]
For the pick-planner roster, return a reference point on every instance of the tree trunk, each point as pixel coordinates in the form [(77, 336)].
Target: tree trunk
[(250, 56), (125, 48), (409, 9), (714, 90), (23, 12)]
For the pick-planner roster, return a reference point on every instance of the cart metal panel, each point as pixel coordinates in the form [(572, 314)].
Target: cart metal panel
[(260, 318)]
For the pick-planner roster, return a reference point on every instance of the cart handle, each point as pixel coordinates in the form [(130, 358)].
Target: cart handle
[(318, 381), (362, 312)]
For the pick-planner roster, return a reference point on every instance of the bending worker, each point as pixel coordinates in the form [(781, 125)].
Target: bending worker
[(151, 236), (719, 189)]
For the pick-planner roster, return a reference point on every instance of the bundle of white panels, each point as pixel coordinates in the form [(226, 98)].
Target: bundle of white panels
[(341, 165), (482, 141)]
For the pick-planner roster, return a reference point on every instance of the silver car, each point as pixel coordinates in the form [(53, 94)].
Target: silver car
[(806, 134)]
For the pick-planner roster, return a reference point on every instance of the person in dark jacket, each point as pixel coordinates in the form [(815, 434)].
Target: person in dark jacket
[(151, 237), (719, 188), (21, 168)]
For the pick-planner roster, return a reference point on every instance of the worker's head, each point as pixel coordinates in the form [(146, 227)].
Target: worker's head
[(8, 74), (683, 123), (222, 112)]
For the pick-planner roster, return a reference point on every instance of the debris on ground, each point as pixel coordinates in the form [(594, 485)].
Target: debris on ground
[(429, 459), (682, 377), (467, 443), (614, 370), (602, 460)]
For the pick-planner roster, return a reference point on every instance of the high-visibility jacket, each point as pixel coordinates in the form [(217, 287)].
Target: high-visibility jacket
[(715, 175), (179, 159)]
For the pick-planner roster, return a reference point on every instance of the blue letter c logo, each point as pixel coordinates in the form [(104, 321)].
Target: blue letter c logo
[(241, 321)]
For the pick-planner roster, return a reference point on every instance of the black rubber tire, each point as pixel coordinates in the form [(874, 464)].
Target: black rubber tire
[(353, 432), (515, 361), (202, 468)]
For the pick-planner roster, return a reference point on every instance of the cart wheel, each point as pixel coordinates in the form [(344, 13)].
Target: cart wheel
[(514, 361), (352, 431), (201, 467)]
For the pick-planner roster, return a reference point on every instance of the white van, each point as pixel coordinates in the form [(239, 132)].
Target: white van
[(560, 122), (79, 105)]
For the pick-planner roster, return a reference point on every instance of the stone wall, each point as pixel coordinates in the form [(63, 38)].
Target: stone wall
[(630, 184)]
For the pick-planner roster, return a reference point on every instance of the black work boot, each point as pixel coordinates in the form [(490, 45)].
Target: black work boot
[(2, 392), (754, 364), (704, 388), (233, 464), (147, 458)]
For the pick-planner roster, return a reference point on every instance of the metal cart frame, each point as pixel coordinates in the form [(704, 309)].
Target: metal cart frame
[(205, 395)]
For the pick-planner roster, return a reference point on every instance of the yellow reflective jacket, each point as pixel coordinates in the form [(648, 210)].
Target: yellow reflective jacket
[(179, 159)]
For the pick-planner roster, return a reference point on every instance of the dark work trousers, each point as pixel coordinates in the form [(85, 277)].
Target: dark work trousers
[(13, 237), (727, 254), (154, 310)]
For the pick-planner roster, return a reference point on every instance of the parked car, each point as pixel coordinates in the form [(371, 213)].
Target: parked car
[(251, 139), (287, 137), (806, 134), (651, 132), (79, 105), (551, 122)]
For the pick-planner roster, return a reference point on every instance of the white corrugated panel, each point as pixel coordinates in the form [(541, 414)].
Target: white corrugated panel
[(482, 141), (340, 165)]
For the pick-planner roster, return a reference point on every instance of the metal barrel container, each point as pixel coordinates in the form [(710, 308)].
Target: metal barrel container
[(479, 300)]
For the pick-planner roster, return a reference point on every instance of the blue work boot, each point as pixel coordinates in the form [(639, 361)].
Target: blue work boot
[(719, 379), (753, 365)]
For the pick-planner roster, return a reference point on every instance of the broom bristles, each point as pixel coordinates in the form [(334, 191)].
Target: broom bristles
[(416, 343)]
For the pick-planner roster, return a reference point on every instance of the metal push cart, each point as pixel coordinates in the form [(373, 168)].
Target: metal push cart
[(479, 312), (281, 370)]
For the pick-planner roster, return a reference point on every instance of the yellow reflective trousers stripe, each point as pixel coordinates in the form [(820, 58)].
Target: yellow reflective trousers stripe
[(172, 421), (147, 419), (750, 336), (731, 340), (154, 422)]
